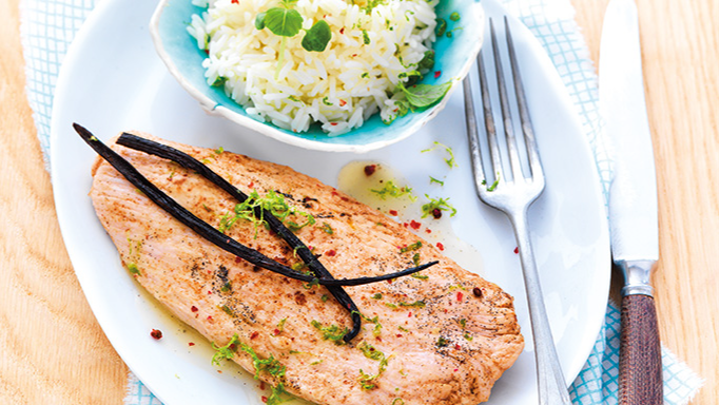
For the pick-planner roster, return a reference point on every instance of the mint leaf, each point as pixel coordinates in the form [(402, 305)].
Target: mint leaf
[(260, 21), (282, 21), (428, 60), (423, 95), (317, 37)]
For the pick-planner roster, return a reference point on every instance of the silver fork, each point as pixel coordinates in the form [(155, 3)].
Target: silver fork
[(512, 193)]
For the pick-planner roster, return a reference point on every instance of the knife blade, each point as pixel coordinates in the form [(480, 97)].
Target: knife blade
[(632, 201)]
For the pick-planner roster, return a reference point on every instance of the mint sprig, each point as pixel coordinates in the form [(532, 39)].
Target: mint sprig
[(424, 95), (282, 21), (287, 22), (317, 37)]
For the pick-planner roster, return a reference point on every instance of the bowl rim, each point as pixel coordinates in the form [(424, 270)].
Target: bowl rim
[(268, 129)]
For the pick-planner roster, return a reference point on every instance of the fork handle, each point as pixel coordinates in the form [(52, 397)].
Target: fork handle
[(551, 383)]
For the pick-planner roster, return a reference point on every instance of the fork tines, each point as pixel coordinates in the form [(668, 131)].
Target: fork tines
[(501, 178)]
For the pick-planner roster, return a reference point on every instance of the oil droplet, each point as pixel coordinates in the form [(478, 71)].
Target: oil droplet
[(354, 180), (407, 209)]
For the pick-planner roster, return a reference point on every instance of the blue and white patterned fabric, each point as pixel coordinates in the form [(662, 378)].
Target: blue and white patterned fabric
[(48, 27)]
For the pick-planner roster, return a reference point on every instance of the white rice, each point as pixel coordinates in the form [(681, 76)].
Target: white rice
[(338, 88)]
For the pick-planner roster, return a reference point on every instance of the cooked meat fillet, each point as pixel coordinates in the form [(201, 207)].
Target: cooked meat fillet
[(444, 339)]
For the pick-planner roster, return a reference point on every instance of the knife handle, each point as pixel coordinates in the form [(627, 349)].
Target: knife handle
[(640, 358)]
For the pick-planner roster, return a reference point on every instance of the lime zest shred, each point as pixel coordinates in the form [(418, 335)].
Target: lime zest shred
[(392, 190), (274, 202), (368, 382), (332, 332), (449, 160), (374, 320), (273, 367), (327, 228), (416, 304), (441, 204), (226, 352), (415, 246), (133, 269), (434, 180)]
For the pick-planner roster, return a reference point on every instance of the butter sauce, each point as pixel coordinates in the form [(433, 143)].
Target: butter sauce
[(406, 209)]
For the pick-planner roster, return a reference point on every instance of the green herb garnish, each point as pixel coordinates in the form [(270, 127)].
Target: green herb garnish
[(332, 332), (441, 342), (441, 27), (377, 296), (227, 310), (428, 61), (424, 95), (273, 202), (416, 304), (416, 259), (375, 321), (392, 190), (367, 382), (133, 269), (287, 22), (327, 228), (226, 352), (493, 186), (434, 180), (317, 37), (283, 21), (272, 367), (371, 4), (437, 204), (454, 16), (260, 21), (410, 74), (450, 160), (366, 37), (311, 284), (402, 108), (415, 246)]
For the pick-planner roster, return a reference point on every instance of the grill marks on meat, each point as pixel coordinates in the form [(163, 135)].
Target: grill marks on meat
[(449, 351)]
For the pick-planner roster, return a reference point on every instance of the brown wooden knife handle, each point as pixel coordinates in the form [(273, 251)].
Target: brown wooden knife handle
[(640, 357)]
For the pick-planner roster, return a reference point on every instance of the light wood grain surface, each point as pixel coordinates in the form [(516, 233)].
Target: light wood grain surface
[(52, 350)]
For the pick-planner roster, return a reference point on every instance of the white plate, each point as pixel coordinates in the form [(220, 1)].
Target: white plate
[(112, 80)]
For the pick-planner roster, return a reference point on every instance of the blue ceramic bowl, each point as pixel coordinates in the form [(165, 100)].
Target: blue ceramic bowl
[(453, 56)]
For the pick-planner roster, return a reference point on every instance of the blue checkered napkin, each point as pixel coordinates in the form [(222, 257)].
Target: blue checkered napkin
[(48, 27)]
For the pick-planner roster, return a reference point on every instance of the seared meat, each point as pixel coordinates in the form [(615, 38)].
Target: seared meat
[(442, 338)]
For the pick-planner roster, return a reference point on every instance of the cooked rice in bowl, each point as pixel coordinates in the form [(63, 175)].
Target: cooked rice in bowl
[(374, 46)]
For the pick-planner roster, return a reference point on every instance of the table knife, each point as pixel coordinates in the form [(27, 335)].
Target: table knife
[(632, 202)]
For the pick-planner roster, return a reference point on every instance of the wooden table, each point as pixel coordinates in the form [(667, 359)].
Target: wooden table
[(52, 350)]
